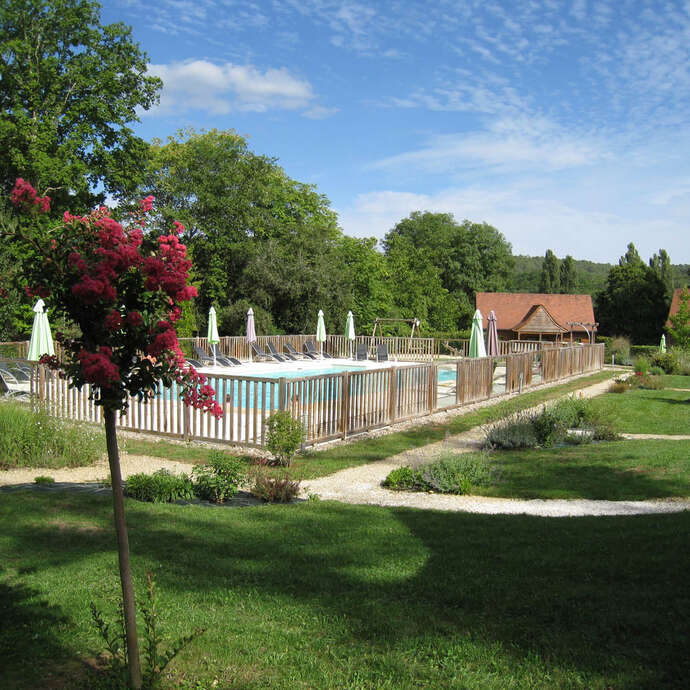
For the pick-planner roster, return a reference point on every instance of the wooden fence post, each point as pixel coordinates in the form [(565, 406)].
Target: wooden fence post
[(393, 394), (282, 393), (345, 406), (431, 400)]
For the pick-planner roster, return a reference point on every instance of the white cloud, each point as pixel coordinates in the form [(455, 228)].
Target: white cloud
[(320, 112), (223, 88)]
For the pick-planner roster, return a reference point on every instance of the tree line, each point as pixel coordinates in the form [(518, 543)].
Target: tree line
[(71, 90)]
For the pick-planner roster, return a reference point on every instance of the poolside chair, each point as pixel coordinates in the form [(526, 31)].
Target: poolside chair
[(362, 351), (297, 355), (224, 360), (194, 362), (311, 349), (202, 355), (382, 353), (272, 351), (261, 354), (10, 386)]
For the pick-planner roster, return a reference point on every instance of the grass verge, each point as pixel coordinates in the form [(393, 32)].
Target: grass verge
[(324, 595)]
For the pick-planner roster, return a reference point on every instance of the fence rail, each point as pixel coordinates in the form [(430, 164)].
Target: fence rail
[(329, 406)]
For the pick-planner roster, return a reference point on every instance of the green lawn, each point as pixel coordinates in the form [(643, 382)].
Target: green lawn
[(648, 411), (676, 381), (323, 595), (614, 471)]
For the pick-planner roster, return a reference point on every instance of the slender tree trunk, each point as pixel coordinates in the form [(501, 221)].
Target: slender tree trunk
[(123, 550)]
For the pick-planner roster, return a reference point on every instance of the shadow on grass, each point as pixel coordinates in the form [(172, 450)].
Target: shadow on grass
[(602, 599), (30, 647)]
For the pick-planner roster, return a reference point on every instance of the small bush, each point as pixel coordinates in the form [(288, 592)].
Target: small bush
[(619, 387), (275, 489), (641, 365), (402, 478), (44, 480), (514, 432), (160, 487), (656, 371), (284, 436), (220, 478), (668, 361), (653, 383), (620, 349)]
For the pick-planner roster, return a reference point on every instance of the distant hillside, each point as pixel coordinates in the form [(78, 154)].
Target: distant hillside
[(591, 276)]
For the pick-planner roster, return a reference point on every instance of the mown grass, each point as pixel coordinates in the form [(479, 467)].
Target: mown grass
[(324, 595), (33, 438), (671, 381), (614, 471), (640, 411)]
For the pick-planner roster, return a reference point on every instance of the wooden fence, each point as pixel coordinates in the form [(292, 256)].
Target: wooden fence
[(329, 406)]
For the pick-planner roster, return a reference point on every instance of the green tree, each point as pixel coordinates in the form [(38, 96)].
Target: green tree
[(631, 257), (568, 276), (661, 263), (70, 89), (680, 321), (550, 280), (467, 258), (633, 302)]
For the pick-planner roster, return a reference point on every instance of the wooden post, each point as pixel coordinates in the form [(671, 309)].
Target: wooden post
[(431, 399), (282, 393), (186, 423), (393, 394)]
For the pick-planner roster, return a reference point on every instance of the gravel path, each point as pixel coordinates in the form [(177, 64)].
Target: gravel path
[(362, 485)]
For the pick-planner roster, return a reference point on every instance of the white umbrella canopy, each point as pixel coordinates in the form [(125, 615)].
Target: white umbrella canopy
[(212, 334), (350, 329), (320, 331), (662, 343), (251, 329), (477, 347), (41, 342)]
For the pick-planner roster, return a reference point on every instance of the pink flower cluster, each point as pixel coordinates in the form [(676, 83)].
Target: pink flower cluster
[(98, 367), (146, 204), (25, 196), (198, 394), (168, 270)]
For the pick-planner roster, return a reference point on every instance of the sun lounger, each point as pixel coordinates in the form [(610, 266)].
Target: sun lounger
[(311, 349), (261, 354), (272, 351), (224, 360), (202, 355), (362, 351), (297, 355), (10, 386), (382, 353)]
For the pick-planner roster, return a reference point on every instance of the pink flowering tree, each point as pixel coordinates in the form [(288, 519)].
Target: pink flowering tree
[(123, 288)]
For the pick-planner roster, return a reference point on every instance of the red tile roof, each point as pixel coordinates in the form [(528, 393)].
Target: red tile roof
[(675, 304), (512, 307)]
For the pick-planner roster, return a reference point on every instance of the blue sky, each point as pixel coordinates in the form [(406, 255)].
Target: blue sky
[(563, 124)]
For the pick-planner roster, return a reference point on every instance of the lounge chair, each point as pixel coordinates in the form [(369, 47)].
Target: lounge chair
[(261, 354), (311, 349), (272, 351), (202, 355), (297, 355), (10, 386), (382, 353), (224, 360), (362, 351)]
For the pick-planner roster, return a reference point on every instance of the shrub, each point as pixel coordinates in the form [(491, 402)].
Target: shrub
[(514, 432), (160, 487), (284, 436), (619, 387), (220, 478), (668, 361), (641, 365), (402, 478), (34, 438), (275, 489), (44, 480), (650, 382), (620, 349), (656, 371), (458, 474)]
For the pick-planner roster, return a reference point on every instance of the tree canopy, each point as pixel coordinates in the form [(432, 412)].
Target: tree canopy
[(550, 279), (70, 89)]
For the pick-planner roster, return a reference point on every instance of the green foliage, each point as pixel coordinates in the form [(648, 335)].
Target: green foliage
[(160, 487), (633, 302), (401, 478), (641, 365), (232, 320), (620, 349), (156, 657), (680, 321), (42, 479), (619, 387), (550, 280), (656, 370), (281, 489), (449, 474), (34, 438), (220, 478), (70, 89), (444, 263), (513, 432), (568, 276), (284, 436)]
